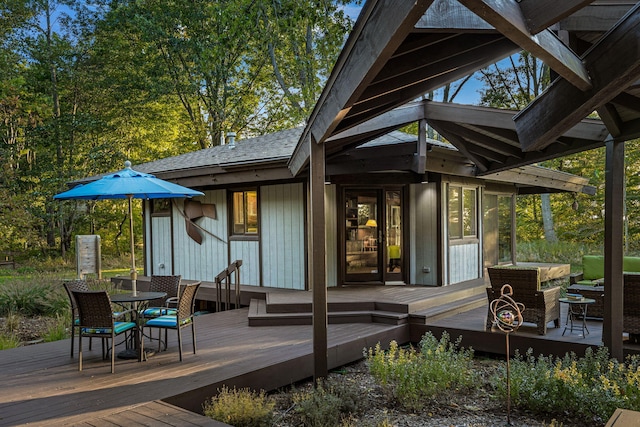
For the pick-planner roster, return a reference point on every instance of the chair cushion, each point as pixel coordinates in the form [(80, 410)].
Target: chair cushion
[(119, 328), (158, 311), (166, 322)]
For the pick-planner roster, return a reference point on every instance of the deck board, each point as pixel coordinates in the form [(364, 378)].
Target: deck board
[(42, 384)]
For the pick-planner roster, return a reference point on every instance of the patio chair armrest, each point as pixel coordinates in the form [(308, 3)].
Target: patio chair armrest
[(171, 301), (575, 278), (551, 294), (121, 314)]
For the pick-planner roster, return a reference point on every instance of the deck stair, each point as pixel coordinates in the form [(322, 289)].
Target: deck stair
[(394, 306)]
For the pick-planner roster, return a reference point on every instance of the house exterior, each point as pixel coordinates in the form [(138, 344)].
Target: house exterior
[(389, 220)]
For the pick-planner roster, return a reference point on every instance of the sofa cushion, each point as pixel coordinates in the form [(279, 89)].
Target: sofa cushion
[(631, 264), (592, 267)]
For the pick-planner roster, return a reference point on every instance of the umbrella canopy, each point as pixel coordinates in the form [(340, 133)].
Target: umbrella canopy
[(128, 184), (125, 183)]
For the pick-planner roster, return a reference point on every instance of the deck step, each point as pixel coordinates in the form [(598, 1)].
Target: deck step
[(441, 311), (259, 316)]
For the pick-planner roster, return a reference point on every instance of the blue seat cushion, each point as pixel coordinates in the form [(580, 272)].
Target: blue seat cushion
[(158, 311), (118, 326), (166, 322)]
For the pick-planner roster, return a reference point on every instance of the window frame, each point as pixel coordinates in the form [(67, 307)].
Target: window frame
[(456, 228), (247, 213)]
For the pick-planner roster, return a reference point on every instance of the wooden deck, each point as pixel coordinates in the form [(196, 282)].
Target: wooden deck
[(42, 386)]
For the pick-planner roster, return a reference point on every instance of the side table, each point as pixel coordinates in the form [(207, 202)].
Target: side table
[(580, 305)]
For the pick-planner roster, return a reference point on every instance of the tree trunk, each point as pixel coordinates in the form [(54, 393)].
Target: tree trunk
[(547, 219)]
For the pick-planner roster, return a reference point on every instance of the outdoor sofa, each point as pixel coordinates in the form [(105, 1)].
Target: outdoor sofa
[(590, 282)]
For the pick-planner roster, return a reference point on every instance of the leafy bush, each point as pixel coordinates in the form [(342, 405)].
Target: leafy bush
[(590, 388), (331, 403), (8, 341), (412, 377), (57, 330), (33, 299), (240, 408), (560, 252)]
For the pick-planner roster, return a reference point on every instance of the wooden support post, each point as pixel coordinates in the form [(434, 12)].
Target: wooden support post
[(613, 236), (317, 258)]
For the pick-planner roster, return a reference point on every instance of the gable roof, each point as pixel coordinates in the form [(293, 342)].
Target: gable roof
[(399, 50)]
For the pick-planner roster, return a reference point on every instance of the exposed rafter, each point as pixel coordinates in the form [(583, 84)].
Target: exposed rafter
[(508, 18), (563, 105)]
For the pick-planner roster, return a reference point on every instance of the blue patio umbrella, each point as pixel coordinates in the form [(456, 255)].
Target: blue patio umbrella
[(128, 184)]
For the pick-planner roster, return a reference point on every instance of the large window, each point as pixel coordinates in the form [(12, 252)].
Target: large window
[(245, 212), (463, 218)]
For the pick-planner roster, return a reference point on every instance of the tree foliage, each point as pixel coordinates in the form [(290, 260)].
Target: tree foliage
[(87, 85)]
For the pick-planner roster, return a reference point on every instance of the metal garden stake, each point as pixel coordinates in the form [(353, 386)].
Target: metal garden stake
[(507, 316)]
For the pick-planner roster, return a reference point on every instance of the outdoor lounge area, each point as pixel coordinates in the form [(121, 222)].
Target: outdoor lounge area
[(43, 386)]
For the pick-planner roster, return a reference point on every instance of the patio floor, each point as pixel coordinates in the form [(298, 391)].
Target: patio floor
[(42, 384)]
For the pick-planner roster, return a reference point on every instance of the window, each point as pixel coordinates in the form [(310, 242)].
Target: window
[(160, 207), (462, 212), (245, 212)]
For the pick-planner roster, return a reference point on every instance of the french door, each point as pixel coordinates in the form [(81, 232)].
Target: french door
[(372, 235)]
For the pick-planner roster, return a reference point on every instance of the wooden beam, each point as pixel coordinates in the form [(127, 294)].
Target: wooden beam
[(538, 177), (444, 129), (388, 25), (627, 100), (613, 249), (395, 118), (541, 14), (613, 62), (247, 176), (317, 262), (300, 157), (420, 156), (451, 15), (507, 17), (598, 18), (611, 119), (490, 142), (413, 85)]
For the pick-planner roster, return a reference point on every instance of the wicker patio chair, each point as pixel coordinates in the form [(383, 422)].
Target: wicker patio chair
[(541, 305), (184, 317), (158, 307), (70, 286), (97, 319), (631, 307)]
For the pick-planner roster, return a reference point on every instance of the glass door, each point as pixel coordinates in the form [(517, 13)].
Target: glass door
[(393, 235), (362, 250), (373, 235)]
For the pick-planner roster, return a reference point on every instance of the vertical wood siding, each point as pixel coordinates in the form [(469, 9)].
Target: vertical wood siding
[(249, 252), (463, 262), (205, 261), (161, 246), (331, 232), (282, 236), (423, 234)]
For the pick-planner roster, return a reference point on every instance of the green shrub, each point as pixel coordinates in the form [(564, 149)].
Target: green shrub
[(411, 376), (559, 252), (590, 388), (8, 341), (331, 403), (240, 408), (32, 299), (57, 329)]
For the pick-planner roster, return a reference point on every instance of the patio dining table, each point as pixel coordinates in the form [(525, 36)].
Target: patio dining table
[(137, 301)]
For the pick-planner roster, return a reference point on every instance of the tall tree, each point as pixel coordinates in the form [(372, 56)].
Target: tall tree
[(512, 84)]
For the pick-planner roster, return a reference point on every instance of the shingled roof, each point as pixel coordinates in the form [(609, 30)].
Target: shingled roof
[(270, 148)]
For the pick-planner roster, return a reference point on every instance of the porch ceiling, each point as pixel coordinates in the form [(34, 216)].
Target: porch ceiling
[(401, 50)]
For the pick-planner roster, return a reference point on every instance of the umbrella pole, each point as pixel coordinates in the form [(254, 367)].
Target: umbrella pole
[(133, 273)]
